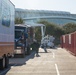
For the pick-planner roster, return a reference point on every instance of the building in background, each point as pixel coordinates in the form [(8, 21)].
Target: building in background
[(57, 17)]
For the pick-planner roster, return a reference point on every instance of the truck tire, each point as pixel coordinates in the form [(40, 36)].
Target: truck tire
[(2, 63), (6, 62)]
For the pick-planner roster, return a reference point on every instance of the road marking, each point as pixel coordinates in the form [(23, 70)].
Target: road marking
[(57, 70), (53, 55)]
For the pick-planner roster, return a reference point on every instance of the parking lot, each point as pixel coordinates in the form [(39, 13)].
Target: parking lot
[(56, 62)]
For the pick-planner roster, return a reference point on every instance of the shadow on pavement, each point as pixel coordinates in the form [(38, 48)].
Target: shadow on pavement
[(13, 62), (3, 72)]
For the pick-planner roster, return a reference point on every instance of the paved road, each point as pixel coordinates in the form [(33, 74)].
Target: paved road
[(55, 62)]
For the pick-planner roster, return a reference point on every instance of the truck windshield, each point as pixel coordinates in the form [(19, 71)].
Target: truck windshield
[(18, 34)]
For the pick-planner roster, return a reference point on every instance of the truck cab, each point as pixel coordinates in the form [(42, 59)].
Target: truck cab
[(21, 37)]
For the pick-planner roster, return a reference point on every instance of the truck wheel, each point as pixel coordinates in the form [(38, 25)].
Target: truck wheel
[(6, 62), (2, 63)]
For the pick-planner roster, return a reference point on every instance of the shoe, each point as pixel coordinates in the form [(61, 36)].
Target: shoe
[(36, 54), (46, 51)]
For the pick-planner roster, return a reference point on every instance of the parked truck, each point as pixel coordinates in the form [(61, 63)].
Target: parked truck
[(7, 13), (23, 40)]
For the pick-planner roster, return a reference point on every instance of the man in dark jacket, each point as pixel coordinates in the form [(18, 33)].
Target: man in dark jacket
[(36, 47)]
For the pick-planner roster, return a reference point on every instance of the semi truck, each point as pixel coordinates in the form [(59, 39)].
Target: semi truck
[(7, 13), (23, 40)]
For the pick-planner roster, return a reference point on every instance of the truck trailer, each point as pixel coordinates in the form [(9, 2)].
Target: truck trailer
[(7, 14)]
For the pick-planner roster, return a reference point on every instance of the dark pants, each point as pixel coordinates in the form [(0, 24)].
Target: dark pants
[(45, 49), (37, 50)]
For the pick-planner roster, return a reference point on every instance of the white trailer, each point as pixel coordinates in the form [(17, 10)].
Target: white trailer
[(7, 13)]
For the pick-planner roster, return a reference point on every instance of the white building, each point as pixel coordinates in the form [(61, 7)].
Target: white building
[(58, 17)]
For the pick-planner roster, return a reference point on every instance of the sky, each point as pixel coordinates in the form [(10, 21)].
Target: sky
[(54, 5)]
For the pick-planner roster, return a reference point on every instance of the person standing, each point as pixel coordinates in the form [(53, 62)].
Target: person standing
[(45, 47), (36, 47)]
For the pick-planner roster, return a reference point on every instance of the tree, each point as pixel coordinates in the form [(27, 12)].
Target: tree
[(51, 29), (18, 21), (70, 27)]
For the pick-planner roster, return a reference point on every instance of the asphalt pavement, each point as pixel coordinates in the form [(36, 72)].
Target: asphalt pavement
[(56, 61)]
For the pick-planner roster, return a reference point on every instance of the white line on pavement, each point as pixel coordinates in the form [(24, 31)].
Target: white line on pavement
[(53, 55), (57, 70)]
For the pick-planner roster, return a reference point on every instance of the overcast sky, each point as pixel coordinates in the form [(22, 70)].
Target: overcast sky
[(56, 5)]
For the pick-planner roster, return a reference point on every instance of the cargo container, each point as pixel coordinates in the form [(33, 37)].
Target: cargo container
[(75, 43), (68, 41), (7, 13)]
